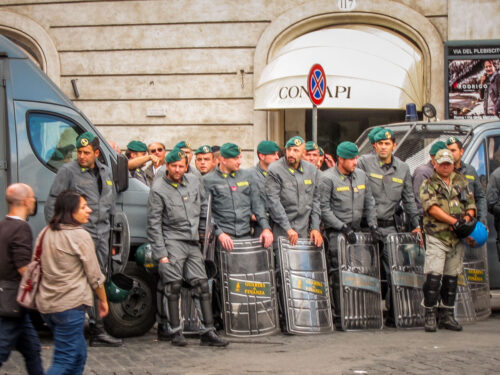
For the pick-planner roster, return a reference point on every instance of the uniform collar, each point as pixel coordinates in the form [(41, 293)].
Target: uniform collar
[(343, 176), (293, 170), (225, 175), (176, 184), (261, 170)]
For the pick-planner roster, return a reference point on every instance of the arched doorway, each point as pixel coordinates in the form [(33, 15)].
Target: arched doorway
[(391, 21)]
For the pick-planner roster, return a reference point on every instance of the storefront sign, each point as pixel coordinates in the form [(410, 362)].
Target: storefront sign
[(471, 70)]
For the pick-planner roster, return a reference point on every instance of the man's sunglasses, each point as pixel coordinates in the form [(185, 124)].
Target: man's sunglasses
[(156, 149)]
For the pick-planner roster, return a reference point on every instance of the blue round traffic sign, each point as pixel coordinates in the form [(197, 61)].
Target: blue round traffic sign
[(316, 84)]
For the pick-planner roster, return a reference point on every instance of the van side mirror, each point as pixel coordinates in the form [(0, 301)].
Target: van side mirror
[(120, 173)]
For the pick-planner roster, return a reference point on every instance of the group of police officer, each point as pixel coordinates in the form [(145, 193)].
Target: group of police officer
[(287, 197)]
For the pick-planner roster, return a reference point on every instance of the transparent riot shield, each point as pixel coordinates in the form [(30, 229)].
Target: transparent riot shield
[(305, 287), (476, 272), (189, 314), (464, 306), (406, 259), (249, 289), (359, 276)]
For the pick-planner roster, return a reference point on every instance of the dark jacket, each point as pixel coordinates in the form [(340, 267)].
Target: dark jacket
[(16, 246)]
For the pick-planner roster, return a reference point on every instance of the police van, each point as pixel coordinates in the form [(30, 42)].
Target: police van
[(38, 130), (481, 140)]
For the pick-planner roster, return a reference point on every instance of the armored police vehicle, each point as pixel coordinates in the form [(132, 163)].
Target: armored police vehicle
[(481, 140), (38, 130)]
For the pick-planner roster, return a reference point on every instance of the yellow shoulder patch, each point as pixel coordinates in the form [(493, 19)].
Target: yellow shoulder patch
[(242, 183), (308, 182), (109, 182), (375, 175), (398, 180), (343, 188), (469, 177)]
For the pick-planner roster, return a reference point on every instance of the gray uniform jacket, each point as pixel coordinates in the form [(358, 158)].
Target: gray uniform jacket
[(73, 177), (293, 196), (421, 174), (139, 174), (176, 211), (259, 177), (389, 186), (235, 197), (477, 190), (346, 199)]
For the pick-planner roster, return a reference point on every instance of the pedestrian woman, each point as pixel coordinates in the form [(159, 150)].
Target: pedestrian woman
[(70, 273)]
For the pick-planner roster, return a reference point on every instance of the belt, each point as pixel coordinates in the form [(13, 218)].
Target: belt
[(385, 223)]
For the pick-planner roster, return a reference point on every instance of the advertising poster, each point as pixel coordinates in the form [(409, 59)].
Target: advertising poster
[(473, 87)]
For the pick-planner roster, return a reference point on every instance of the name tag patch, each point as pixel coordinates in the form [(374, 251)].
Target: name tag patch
[(343, 188), (469, 177), (397, 180), (375, 175), (308, 182), (109, 182), (361, 187), (242, 183)]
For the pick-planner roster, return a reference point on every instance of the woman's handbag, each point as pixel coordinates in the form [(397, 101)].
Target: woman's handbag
[(31, 278), (9, 308)]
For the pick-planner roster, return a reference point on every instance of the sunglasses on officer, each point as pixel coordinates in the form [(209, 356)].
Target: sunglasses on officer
[(159, 149)]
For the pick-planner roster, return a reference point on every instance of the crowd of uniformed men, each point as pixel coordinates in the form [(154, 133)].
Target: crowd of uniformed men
[(295, 196)]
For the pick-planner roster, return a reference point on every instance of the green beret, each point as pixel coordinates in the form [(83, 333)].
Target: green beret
[(452, 140), (347, 150), (383, 134), (85, 139), (311, 146), (205, 149), (321, 151), (137, 146), (182, 144), (438, 145), (229, 150), (371, 134), (295, 141), (175, 155), (267, 147)]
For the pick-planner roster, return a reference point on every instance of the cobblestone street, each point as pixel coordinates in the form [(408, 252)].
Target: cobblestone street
[(475, 350)]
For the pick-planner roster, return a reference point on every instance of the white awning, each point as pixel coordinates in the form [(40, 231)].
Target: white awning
[(365, 66)]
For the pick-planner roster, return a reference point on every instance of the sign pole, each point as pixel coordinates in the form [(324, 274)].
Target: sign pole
[(315, 123)]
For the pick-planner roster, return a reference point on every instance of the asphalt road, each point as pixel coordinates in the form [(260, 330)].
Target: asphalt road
[(476, 350)]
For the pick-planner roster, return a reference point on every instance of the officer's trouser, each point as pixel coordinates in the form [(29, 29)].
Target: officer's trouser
[(333, 275), (384, 254)]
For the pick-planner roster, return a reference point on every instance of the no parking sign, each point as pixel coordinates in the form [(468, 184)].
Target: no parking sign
[(316, 84)]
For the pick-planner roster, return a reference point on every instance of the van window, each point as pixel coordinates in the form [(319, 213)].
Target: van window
[(479, 163), (494, 153), (53, 138)]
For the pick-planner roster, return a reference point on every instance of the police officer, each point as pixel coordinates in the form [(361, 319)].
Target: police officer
[(93, 179), (425, 171), (138, 157), (176, 206), (390, 182), (345, 198), (457, 149), (371, 135), (204, 159), (267, 152), (293, 196), (235, 197), (493, 199), (186, 147), (449, 209), (312, 153)]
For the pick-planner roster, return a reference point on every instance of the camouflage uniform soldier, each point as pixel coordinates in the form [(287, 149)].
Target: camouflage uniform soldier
[(449, 209), (470, 173)]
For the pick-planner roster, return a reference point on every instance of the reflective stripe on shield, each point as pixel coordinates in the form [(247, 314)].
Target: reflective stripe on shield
[(476, 272), (249, 289), (305, 287), (359, 276), (406, 259)]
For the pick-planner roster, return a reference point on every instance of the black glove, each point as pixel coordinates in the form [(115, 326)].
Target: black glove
[(349, 234), (376, 234), (463, 229)]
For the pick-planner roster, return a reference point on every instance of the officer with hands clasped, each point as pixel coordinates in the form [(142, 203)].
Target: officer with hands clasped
[(449, 211), (345, 198), (176, 207), (90, 177)]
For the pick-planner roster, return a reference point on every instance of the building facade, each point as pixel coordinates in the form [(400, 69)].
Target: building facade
[(213, 71)]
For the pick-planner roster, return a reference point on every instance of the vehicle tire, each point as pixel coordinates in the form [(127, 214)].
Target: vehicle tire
[(137, 314)]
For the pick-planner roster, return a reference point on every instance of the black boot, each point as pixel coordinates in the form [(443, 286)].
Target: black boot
[(99, 337), (431, 296), (163, 334), (211, 339), (178, 339), (173, 291), (448, 294), (430, 319)]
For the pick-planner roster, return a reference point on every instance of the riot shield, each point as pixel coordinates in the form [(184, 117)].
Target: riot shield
[(189, 314), (359, 276), (464, 306), (476, 272), (249, 289), (406, 259), (305, 287)]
